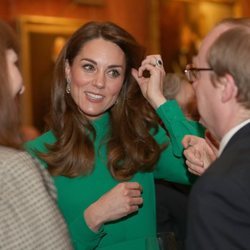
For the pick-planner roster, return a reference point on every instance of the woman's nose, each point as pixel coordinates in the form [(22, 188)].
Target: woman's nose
[(100, 80)]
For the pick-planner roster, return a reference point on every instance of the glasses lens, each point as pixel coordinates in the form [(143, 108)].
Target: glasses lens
[(191, 73)]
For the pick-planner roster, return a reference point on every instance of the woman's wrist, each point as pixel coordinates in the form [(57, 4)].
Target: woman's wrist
[(158, 102), (93, 218)]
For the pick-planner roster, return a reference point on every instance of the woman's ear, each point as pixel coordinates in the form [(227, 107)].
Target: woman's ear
[(229, 88), (67, 71)]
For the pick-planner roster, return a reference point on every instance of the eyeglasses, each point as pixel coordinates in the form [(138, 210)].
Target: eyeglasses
[(192, 73)]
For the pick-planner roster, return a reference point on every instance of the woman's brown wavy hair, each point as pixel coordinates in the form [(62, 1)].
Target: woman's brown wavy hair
[(130, 146), (9, 110)]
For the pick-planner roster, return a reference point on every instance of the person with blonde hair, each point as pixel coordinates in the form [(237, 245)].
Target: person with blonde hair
[(171, 197), (176, 87)]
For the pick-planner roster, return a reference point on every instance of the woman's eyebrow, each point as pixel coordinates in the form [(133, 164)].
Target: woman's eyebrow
[(110, 66)]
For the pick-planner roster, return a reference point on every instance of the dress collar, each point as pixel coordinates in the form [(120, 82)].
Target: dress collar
[(101, 123)]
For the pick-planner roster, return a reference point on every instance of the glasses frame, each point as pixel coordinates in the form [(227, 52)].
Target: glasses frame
[(191, 72)]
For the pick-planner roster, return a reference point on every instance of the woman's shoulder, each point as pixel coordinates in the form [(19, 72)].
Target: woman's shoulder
[(6, 155), (40, 141), (14, 160)]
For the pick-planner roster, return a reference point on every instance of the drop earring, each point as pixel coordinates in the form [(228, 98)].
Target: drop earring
[(68, 86)]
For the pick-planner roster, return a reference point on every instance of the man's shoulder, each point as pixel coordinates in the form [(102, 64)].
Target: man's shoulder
[(231, 169)]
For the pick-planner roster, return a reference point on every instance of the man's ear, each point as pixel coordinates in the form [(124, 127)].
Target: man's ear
[(229, 88), (67, 71)]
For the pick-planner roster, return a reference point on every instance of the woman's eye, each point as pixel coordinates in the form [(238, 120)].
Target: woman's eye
[(88, 67), (114, 73)]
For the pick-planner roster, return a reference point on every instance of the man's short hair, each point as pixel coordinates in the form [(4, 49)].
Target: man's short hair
[(230, 54)]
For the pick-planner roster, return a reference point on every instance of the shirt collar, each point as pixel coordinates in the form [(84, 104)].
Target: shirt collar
[(230, 134)]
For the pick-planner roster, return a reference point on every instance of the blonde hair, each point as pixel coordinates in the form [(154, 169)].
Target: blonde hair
[(173, 87)]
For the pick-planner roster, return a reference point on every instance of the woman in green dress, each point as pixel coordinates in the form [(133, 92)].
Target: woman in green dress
[(105, 146)]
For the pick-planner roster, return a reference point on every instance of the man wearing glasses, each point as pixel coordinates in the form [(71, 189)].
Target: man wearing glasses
[(219, 203)]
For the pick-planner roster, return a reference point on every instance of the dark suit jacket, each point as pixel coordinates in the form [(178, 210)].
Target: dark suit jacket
[(219, 203)]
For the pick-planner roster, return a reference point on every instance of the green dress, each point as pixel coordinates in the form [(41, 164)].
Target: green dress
[(136, 231)]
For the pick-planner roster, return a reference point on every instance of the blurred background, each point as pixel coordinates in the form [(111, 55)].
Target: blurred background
[(173, 28)]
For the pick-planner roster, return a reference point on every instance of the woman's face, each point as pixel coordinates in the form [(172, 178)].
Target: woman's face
[(14, 75), (96, 76)]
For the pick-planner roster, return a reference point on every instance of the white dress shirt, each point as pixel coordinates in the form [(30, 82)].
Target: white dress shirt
[(230, 134)]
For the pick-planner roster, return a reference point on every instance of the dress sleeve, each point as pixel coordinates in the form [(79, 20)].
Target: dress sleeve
[(82, 236), (171, 165)]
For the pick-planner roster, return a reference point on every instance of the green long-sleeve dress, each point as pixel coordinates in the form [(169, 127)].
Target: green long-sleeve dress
[(136, 231)]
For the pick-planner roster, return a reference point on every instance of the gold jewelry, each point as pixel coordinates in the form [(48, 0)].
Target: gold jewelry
[(68, 86)]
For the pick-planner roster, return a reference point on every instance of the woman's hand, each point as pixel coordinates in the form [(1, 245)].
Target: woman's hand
[(199, 153), (124, 199), (151, 85)]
